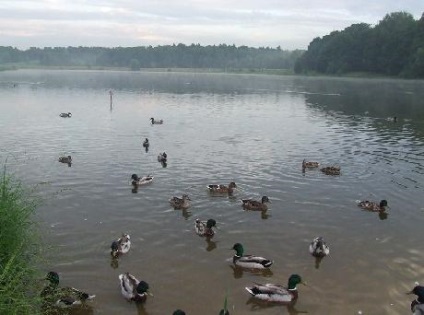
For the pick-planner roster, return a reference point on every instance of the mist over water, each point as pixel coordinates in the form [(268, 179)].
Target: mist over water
[(218, 128)]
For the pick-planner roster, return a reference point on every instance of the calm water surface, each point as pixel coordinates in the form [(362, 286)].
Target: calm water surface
[(254, 130)]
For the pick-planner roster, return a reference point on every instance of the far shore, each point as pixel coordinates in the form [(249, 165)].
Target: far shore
[(282, 72)]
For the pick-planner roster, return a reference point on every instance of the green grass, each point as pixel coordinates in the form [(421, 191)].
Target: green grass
[(19, 249)]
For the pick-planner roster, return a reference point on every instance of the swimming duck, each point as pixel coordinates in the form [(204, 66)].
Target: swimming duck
[(146, 143), (417, 305), (205, 228), (138, 181), (309, 164), (222, 188), (373, 206), (180, 203), (162, 157), (249, 261), (132, 289), (331, 170), (65, 115), (156, 122), (120, 246), (251, 204), (65, 159), (318, 248), (275, 292), (63, 297)]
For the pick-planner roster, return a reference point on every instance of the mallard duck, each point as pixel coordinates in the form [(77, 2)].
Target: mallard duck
[(205, 228), (417, 305), (180, 203), (146, 143), (309, 164), (139, 181), (331, 170), (162, 157), (65, 159), (120, 246), (222, 188), (65, 115), (251, 204), (156, 122), (318, 248), (132, 289), (249, 261), (373, 206), (275, 292), (63, 297)]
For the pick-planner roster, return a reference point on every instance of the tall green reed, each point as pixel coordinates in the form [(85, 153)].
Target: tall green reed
[(19, 249)]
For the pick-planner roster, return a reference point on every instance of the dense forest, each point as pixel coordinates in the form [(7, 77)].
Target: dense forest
[(170, 56), (394, 47)]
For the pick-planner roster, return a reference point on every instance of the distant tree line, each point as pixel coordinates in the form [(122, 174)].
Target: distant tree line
[(394, 47), (169, 56)]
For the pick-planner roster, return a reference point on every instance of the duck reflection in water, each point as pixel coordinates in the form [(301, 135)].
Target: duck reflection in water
[(185, 213), (140, 309), (211, 245), (82, 310), (114, 262), (239, 271), (259, 304)]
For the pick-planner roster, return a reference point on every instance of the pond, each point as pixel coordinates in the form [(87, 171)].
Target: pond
[(254, 130)]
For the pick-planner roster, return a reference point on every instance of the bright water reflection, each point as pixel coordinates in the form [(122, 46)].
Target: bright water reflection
[(254, 130)]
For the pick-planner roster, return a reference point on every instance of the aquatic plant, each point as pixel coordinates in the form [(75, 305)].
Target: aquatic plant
[(19, 249)]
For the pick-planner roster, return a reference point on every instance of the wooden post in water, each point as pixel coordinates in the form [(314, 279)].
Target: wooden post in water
[(111, 99)]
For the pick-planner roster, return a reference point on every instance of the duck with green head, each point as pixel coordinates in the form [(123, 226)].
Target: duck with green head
[(132, 289), (205, 228), (120, 246), (249, 261), (276, 293), (63, 297), (417, 305)]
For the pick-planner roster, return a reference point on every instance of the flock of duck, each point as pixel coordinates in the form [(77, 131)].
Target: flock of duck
[(133, 289)]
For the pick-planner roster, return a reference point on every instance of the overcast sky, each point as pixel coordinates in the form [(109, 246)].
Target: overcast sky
[(291, 24)]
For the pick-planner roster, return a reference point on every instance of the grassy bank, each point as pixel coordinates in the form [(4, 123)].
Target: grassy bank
[(19, 249)]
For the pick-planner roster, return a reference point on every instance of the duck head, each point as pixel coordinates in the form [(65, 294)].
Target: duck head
[(383, 203), (142, 289), (265, 199), (114, 249), (53, 278), (210, 223), (135, 177), (232, 185), (179, 312), (239, 249), (294, 280)]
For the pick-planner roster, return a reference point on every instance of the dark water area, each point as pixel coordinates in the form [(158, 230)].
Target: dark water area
[(253, 130)]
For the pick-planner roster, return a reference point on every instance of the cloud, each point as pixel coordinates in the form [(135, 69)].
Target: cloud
[(110, 23)]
